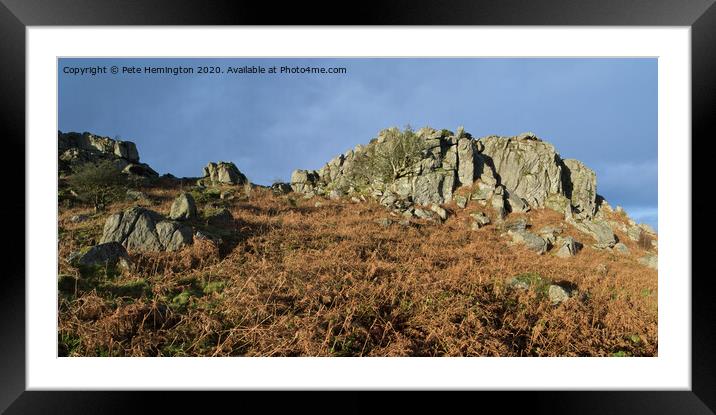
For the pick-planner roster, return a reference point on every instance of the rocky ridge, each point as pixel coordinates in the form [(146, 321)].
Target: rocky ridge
[(77, 149), (505, 174)]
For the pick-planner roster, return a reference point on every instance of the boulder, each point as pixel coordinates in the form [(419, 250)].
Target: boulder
[(600, 231), (423, 214), (460, 201), (105, 254), (442, 213), (650, 260), (549, 233), (516, 203), (621, 249), (520, 224), (143, 230), (566, 247), (303, 181), (482, 191), (224, 173), (183, 208), (557, 294), (634, 233), (530, 240), (140, 170), (220, 217), (498, 205), (479, 220)]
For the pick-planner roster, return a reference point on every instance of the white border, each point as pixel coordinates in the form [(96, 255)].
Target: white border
[(670, 370)]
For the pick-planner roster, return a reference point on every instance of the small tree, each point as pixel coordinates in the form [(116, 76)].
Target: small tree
[(98, 183), (390, 159)]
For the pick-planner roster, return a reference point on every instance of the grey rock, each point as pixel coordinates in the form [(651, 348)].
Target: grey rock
[(388, 199), (183, 208), (482, 191), (224, 173), (519, 224), (76, 149), (143, 230), (581, 188), (559, 203), (335, 194), (304, 181), (634, 233), (466, 155), (650, 260), (220, 217), (173, 235), (442, 213), (621, 249), (526, 165), (479, 220), (648, 229), (516, 203), (423, 214), (566, 247), (530, 240), (498, 205), (461, 201), (600, 231), (140, 170), (557, 294), (103, 254)]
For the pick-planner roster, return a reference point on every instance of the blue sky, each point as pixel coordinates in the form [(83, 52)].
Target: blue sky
[(600, 111)]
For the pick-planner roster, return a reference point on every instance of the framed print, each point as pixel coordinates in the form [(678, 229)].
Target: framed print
[(452, 198)]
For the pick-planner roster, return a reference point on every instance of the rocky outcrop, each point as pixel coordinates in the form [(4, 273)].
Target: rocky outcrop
[(510, 174), (223, 173), (77, 149), (527, 166), (143, 230)]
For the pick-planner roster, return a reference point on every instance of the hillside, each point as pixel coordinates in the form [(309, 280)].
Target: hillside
[(425, 243)]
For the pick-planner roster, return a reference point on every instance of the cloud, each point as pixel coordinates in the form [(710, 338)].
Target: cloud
[(628, 183)]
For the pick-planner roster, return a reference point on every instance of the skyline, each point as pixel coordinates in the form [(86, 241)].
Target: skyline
[(600, 111)]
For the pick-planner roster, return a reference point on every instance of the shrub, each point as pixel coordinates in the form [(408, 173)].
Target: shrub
[(98, 183), (388, 160)]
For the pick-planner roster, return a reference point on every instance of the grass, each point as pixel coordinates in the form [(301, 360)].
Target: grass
[(291, 279)]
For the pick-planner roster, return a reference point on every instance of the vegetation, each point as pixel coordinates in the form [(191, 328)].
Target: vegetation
[(98, 183), (389, 159), (291, 279)]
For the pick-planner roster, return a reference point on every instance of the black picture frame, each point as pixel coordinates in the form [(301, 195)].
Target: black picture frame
[(16, 15)]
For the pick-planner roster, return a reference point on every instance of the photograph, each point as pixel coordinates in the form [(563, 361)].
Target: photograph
[(357, 207)]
